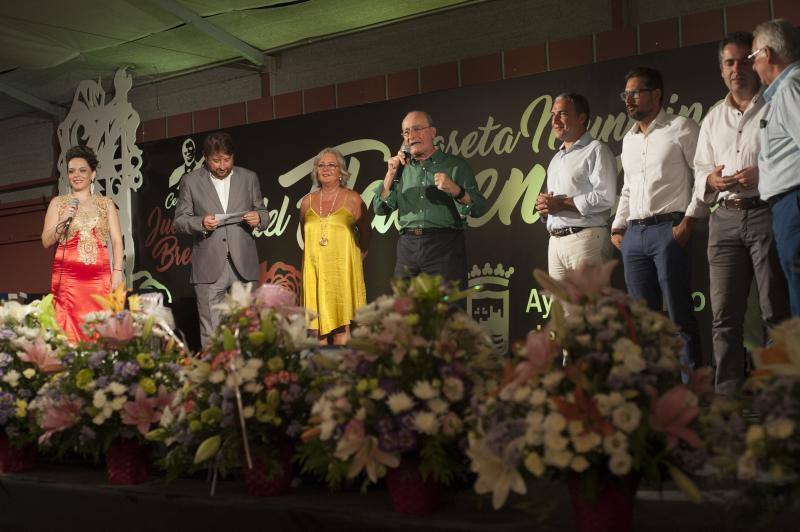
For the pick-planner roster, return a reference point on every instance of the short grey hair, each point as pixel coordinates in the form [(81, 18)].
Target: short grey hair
[(426, 114), (344, 175), (781, 36)]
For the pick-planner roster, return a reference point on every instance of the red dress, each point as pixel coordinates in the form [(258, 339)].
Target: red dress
[(81, 266)]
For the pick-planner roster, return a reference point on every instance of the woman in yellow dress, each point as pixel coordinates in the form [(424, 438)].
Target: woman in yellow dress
[(336, 231)]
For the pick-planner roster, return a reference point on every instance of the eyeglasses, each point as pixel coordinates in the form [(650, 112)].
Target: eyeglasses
[(752, 56), (415, 129), (329, 166), (633, 93)]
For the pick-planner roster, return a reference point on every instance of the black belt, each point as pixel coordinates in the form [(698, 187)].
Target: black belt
[(658, 219), (419, 231), (742, 203), (564, 231), (776, 198)]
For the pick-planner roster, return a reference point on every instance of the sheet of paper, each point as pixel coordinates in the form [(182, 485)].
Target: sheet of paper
[(229, 217)]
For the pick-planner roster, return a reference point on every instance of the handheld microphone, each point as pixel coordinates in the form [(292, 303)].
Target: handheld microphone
[(399, 172), (74, 202)]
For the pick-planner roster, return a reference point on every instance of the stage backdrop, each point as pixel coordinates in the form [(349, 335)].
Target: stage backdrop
[(502, 129)]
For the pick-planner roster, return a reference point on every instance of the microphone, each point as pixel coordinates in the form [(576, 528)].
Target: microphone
[(399, 172), (74, 202)]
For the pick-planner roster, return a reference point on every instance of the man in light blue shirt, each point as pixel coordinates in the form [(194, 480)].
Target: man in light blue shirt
[(776, 59), (581, 188)]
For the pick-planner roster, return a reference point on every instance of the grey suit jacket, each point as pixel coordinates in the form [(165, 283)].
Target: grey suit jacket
[(197, 198)]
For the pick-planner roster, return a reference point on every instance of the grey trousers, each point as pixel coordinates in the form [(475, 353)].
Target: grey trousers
[(740, 248), (210, 294)]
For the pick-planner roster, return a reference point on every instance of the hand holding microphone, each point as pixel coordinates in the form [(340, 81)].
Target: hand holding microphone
[(69, 214), (395, 168)]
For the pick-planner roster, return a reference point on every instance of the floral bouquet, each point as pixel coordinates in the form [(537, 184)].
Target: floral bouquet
[(404, 388), (755, 436), (244, 399), (597, 396), (30, 353), (117, 385)]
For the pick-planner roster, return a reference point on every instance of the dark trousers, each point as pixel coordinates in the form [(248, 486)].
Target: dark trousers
[(657, 269), (740, 248), (786, 226), (442, 254)]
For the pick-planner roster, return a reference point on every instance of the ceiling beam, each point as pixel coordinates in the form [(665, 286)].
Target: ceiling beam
[(32, 101), (252, 54)]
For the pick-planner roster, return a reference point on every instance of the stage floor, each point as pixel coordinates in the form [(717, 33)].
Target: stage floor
[(66, 498)]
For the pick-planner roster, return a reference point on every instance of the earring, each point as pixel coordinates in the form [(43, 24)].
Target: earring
[(91, 187)]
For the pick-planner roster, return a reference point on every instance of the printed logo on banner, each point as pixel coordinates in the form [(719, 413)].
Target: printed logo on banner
[(489, 305)]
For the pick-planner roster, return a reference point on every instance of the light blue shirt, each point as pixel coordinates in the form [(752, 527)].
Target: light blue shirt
[(779, 160), (587, 172)]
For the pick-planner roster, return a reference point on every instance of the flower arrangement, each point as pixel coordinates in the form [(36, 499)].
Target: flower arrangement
[(597, 394), (403, 389), (30, 353), (246, 390), (762, 449), (116, 385)]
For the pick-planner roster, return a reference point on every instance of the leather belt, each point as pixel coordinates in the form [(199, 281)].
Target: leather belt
[(658, 219), (564, 231), (742, 203), (419, 231)]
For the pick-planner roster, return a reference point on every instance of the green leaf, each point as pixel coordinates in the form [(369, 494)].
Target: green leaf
[(159, 434), (228, 341), (207, 449)]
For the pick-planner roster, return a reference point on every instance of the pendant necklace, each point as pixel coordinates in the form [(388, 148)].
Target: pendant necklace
[(323, 221)]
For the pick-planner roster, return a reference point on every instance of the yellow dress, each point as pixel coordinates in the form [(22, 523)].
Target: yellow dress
[(333, 278)]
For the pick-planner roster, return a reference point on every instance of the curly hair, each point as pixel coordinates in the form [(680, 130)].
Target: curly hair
[(82, 152)]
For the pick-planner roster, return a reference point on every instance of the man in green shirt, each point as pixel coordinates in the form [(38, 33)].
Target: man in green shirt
[(433, 192)]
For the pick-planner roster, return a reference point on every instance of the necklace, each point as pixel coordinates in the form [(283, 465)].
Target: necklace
[(323, 220)]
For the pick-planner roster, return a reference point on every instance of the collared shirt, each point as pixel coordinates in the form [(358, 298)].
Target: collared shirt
[(779, 160), (421, 204), (223, 188), (659, 177), (587, 172), (728, 136)]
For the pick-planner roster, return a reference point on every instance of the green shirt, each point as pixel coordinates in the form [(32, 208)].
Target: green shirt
[(421, 204)]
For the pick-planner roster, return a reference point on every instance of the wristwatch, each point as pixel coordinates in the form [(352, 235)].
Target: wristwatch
[(460, 194)]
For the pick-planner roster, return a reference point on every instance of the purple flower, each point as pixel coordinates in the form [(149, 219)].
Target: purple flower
[(5, 359), (406, 441), (102, 382), (501, 434), (96, 359), (389, 386), (126, 369), (406, 421), (7, 334), (87, 435)]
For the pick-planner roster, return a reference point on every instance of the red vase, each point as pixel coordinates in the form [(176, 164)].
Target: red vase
[(611, 511), (409, 493), (127, 462), (13, 460), (263, 480)]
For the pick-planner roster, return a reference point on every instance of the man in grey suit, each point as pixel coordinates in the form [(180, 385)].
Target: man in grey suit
[(224, 250)]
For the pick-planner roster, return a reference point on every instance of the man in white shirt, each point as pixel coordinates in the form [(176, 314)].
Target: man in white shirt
[(740, 242), (223, 251), (581, 188), (776, 59), (656, 209)]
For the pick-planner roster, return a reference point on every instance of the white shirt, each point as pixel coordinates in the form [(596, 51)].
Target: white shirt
[(587, 172), (223, 188), (779, 161), (731, 137), (659, 177)]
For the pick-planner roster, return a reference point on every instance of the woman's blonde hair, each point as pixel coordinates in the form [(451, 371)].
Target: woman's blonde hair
[(344, 175)]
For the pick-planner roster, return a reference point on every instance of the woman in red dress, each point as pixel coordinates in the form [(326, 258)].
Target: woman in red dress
[(83, 225)]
